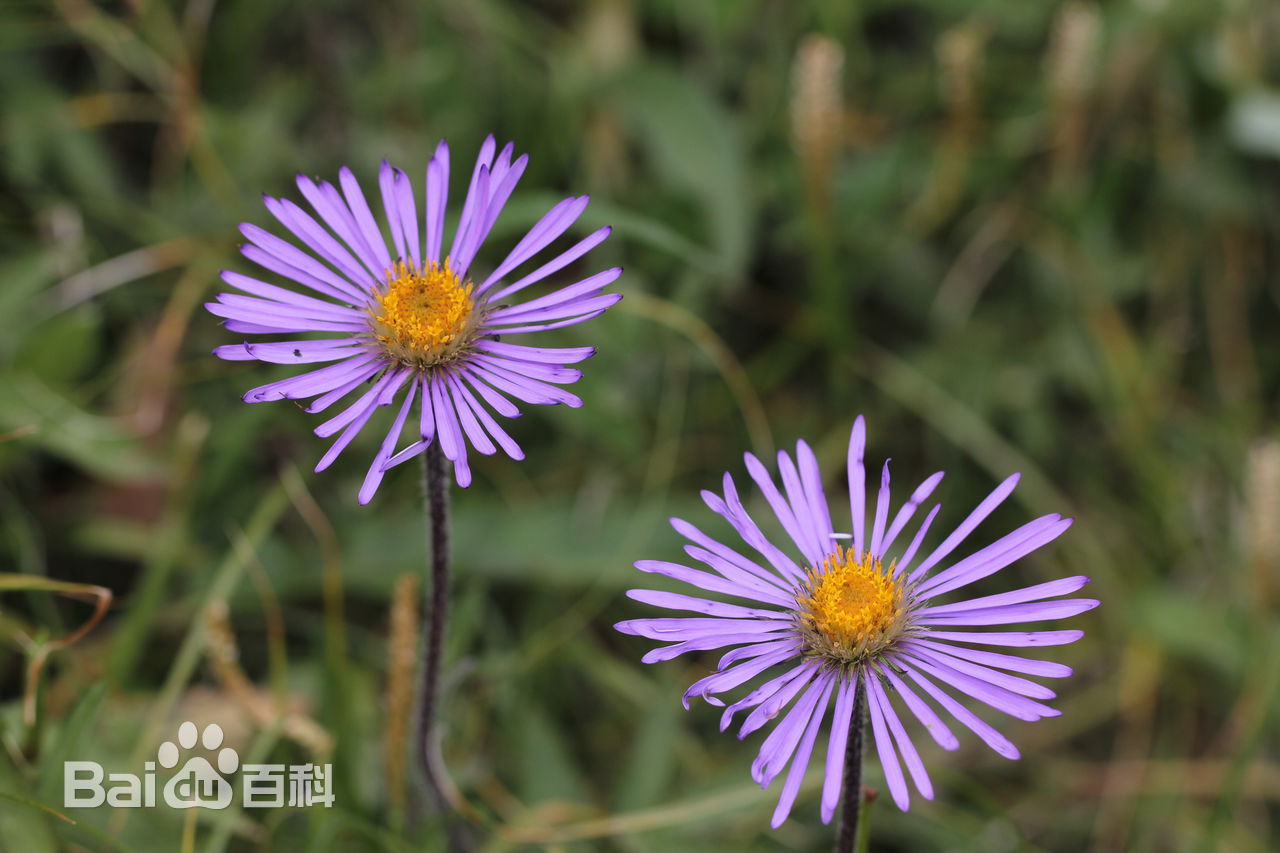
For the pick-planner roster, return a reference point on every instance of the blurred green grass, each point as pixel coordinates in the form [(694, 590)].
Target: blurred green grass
[(1032, 237)]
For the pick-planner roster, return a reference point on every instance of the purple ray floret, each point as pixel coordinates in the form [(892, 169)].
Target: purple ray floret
[(856, 613), (398, 316)]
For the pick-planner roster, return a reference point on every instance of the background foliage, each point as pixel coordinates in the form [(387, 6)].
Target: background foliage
[(1018, 236)]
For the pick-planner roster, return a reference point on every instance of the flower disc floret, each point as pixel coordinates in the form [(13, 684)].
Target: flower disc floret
[(425, 317), (851, 608)]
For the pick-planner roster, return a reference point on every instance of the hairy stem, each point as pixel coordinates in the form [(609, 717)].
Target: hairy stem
[(850, 810), (437, 611)]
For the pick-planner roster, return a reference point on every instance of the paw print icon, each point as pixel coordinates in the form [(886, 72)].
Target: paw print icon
[(198, 784)]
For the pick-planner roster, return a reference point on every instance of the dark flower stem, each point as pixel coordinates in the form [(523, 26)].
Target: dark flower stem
[(437, 500), (852, 807)]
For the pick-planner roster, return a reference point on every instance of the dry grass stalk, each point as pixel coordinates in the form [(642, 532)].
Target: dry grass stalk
[(223, 655), (402, 658), (817, 111)]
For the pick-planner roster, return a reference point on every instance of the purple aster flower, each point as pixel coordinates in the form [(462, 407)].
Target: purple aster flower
[(412, 322), (864, 618)]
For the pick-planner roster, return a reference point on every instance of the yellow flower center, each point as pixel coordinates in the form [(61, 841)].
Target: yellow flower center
[(851, 608), (425, 316)]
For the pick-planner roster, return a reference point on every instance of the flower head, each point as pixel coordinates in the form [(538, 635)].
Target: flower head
[(410, 321), (866, 617)]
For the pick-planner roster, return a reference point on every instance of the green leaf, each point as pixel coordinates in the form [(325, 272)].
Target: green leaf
[(24, 824), (695, 144), (63, 348), (644, 779), (64, 429), (548, 771), (66, 744)]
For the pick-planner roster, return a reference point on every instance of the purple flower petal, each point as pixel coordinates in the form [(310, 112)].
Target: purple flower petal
[(524, 387), (373, 478), (379, 394), (932, 722), (1012, 683), (474, 198), (677, 601), (771, 707), (611, 300), (808, 518), (811, 479), (756, 649), (980, 512), (467, 419), (299, 307), (437, 196), (557, 303), (556, 264), (671, 628), (461, 255), (449, 432), (728, 556), (992, 738), (759, 589), (427, 418), (363, 217), (503, 182), (839, 739), (1017, 596), (713, 583), (1010, 638), (884, 748), (505, 441), (997, 697), (800, 763), (324, 401), (532, 369), (314, 382), (1042, 611), (544, 355), (882, 514), (391, 206), (731, 509), (996, 556), (496, 401), (554, 223), (777, 651), (560, 311), (778, 690), (289, 297), (302, 225), (909, 508), (352, 430), (901, 565), (291, 262), (1043, 668), (697, 644), (858, 483), (291, 352), (906, 748), (242, 328), (407, 210), (782, 510), (327, 202), (780, 745), (282, 320)]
